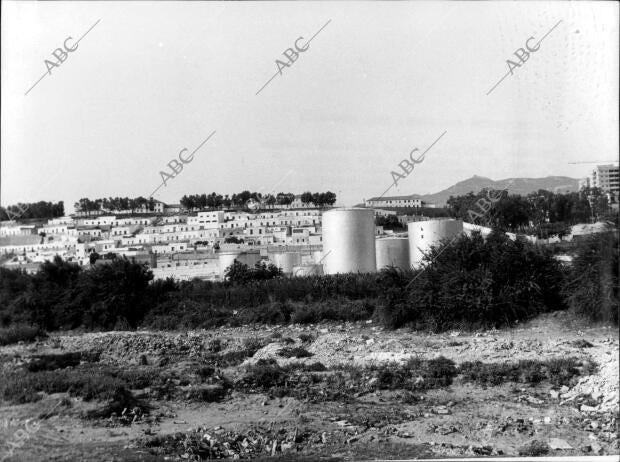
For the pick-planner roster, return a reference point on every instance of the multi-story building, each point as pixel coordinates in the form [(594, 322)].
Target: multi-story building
[(606, 178), (395, 201)]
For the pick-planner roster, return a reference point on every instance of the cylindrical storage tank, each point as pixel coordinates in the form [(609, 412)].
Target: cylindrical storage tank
[(392, 251), (308, 270), (349, 241), (286, 261), (226, 259), (317, 256), (424, 234), (250, 257)]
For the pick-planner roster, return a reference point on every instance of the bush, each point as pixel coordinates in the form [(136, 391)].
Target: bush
[(54, 361), (19, 333), (592, 285), (208, 393), (476, 283), (306, 338), (265, 374), (294, 352), (534, 449), (557, 371)]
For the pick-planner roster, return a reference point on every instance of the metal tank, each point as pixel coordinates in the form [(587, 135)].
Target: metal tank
[(249, 258), (308, 270), (286, 261), (349, 241), (392, 251), (424, 234)]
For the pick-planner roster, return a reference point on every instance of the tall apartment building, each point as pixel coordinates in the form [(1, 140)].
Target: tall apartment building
[(606, 178)]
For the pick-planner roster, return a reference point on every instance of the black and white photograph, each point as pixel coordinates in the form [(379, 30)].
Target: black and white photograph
[(309, 231)]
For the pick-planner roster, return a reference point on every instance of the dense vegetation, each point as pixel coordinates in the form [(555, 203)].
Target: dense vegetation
[(39, 209), (592, 285), (475, 283), (114, 204), (247, 198), (471, 283), (542, 212)]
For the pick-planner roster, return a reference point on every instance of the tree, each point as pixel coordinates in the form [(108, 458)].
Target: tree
[(306, 197)]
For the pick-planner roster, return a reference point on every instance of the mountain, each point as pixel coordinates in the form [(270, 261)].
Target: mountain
[(523, 186)]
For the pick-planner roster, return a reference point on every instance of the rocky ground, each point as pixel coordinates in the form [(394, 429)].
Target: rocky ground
[(346, 391)]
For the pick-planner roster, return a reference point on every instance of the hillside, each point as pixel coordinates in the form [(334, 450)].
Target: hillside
[(513, 185)]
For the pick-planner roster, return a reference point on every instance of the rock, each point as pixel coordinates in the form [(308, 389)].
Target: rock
[(370, 341), (586, 408), (372, 382), (596, 448), (558, 443), (286, 446), (353, 439), (564, 389), (324, 438), (547, 420), (554, 394)]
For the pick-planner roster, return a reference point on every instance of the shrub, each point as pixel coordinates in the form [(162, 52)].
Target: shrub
[(306, 338), (266, 373), (121, 400), (475, 283), (534, 449), (207, 393), (52, 362), (19, 333), (557, 371), (591, 288), (294, 352)]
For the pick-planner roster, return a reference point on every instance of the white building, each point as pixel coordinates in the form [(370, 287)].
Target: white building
[(394, 201)]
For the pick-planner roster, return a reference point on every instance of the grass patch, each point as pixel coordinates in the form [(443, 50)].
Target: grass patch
[(51, 362), (89, 381), (20, 333)]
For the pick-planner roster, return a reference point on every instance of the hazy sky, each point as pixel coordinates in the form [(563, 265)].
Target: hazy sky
[(152, 78)]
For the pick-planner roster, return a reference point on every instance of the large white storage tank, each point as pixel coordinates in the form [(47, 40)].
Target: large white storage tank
[(392, 251), (349, 241), (286, 261), (249, 258), (424, 234)]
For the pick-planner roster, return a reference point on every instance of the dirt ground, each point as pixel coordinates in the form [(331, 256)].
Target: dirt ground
[(461, 419)]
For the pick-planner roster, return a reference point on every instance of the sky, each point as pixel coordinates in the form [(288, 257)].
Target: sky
[(378, 80)]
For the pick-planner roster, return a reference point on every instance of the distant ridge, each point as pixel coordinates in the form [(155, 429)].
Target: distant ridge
[(523, 186)]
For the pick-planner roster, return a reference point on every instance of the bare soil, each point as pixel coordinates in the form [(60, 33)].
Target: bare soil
[(318, 421)]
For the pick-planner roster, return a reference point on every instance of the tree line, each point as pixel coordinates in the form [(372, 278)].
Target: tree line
[(39, 209), (114, 204), (247, 198), (536, 210)]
